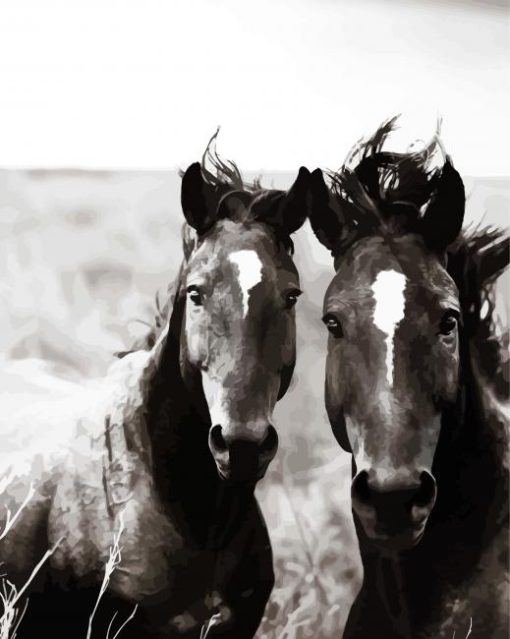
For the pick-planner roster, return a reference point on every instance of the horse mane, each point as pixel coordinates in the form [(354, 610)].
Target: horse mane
[(224, 174), (226, 179), (161, 315), (475, 261), (377, 191)]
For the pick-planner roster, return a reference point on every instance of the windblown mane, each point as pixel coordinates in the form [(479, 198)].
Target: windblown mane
[(475, 262), (226, 178), (376, 191), (224, 174)]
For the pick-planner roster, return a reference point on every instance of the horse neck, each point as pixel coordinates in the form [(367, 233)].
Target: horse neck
[(471, 465), (184, 470), (177, 424)]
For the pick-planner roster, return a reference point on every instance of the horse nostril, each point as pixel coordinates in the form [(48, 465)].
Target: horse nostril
[(426, 492), (217, 440), (270, 441), (360, 489)]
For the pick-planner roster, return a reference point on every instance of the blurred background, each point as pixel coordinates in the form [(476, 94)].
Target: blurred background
[(102, 101)]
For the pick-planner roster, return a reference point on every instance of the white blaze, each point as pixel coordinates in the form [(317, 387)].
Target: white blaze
[(249, 268), (388, 290)]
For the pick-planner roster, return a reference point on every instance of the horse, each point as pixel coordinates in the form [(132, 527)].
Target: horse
[(416, 391), (134, 494)]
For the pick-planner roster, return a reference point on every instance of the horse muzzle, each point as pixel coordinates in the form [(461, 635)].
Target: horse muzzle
[(242, 460), (394, 514)]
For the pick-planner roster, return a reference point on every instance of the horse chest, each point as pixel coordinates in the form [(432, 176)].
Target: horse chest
[(478, 607), (425, 600)]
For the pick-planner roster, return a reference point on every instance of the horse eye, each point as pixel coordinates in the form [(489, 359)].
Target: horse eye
[(195, 295), (333, 325), (291, 298), (448, 323)]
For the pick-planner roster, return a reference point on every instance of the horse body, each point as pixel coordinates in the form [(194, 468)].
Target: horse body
[(414, 391), (133, 462)]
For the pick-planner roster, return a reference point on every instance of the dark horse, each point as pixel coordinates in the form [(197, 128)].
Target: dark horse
[(415, 390), (165, 452)]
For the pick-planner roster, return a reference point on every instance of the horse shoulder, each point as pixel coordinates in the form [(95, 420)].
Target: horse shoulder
[(38, 410), (480, 607), (106, 490)]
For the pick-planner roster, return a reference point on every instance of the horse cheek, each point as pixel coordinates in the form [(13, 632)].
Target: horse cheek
[(449, 369), (194, 348), (335, 394)]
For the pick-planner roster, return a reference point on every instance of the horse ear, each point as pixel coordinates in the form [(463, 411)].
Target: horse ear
[(294, 208), (325, 220), (285, 211), (197, 199), (444, 215)]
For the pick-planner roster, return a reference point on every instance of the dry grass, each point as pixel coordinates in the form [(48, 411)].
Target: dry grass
[(114, 560), (10, 519), (12, 597), (14, 606), (469, 629), (317, 572)]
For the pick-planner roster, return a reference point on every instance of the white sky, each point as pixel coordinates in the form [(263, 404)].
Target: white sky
[(143, 83)]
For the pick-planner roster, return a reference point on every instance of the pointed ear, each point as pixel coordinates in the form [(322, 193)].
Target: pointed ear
[(285, 211), (444, 215), (197, 199), (294, 209), (325, 220)]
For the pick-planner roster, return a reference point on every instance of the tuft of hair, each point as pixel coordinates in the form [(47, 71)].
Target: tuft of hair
[(222, 174), (382, 189), (226, 178), (161, 314)]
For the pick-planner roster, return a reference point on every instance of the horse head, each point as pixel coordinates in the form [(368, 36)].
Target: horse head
[(239, 286), (393, 313)]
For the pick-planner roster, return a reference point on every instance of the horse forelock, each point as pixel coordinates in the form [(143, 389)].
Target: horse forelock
[(228, 182), (224, 174), (382, 192)]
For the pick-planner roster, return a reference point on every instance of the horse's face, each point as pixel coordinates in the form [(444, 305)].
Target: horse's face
[(392, 312), (392, 365), (238, 333)]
